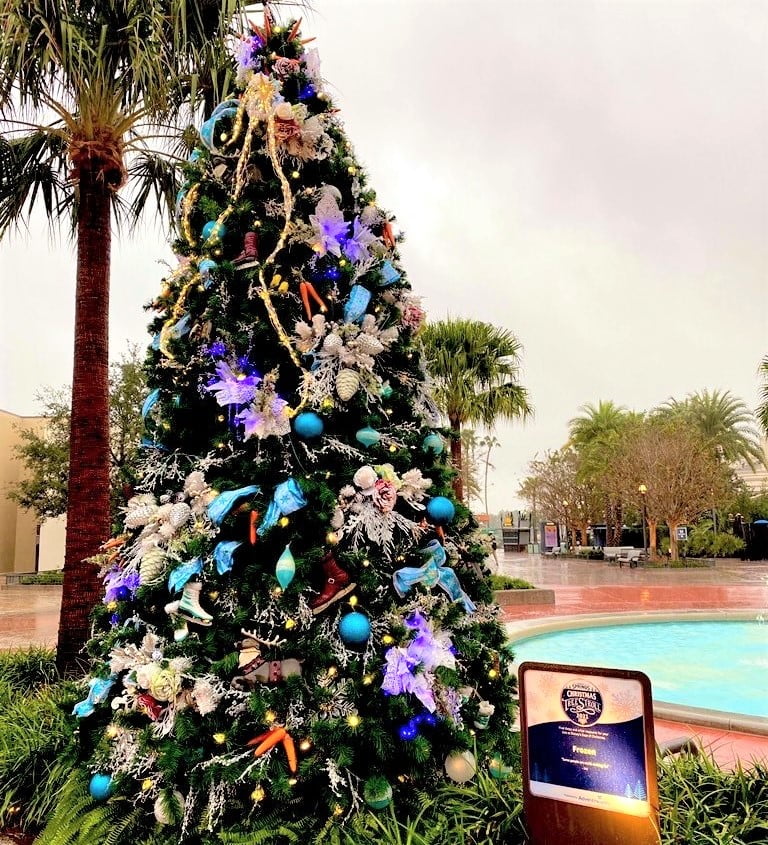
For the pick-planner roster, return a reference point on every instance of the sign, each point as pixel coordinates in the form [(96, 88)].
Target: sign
[(550, 535), (589, 766), (682, 532)]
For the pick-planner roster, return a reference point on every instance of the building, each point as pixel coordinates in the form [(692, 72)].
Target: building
[(25, 544), (757, 479)]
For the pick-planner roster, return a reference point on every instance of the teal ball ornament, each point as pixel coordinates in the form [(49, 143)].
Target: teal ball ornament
[(100, 787), (498, 768), (354, 628), (206, 265), (377, 793), (308, 425), (367, 436), (433, 443), (214, 231), (440, 510)]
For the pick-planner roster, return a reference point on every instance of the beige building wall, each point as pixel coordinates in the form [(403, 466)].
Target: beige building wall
[(18, 527), (757, 480)]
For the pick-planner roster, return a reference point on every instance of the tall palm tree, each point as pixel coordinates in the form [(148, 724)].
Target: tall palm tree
[(762, 408), (475, 368), (91, 79), (725, 423), (596, 435)]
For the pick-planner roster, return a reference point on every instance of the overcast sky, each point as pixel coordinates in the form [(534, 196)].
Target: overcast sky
[(590, 175)]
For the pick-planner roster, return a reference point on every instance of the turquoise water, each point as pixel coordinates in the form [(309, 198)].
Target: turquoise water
[(717, 665)]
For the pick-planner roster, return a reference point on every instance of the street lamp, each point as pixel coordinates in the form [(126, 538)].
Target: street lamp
[(642, 489), (567, 527)]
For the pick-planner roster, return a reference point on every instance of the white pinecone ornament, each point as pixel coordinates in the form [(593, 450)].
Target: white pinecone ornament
[(179, 514), (368, 344), (152, 566), (332, 344), (347, 382), (139, 515)]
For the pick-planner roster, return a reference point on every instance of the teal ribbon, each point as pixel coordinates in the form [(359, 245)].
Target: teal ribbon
[(288, 497), (432, 573)]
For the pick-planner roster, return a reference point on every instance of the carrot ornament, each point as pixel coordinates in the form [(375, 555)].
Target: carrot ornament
[(271, 738)]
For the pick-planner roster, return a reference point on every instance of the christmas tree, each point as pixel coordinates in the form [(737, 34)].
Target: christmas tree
[(296, 621)]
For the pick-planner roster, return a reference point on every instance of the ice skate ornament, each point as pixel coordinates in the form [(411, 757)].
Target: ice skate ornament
[(432, 573), (188, 606), (337, 585)]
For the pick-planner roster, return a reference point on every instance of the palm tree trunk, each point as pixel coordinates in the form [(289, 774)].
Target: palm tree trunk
[(456, 458), (88, 520), (652, 539)]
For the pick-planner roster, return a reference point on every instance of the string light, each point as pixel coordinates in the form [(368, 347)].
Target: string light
[(305, 744), (353, 601), (292, 781), (283, 521), (270, 716), (353, 720), (290, 624), (258, 794), (220, 738), (368, 679), (111, 732), (147, 784), (366, 562), (387, 639), (332, 672)]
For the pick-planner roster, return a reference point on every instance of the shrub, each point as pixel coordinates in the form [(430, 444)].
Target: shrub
[(503, 582), (53, 577)]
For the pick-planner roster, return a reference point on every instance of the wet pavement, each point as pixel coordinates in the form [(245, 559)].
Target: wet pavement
[(29, 615)]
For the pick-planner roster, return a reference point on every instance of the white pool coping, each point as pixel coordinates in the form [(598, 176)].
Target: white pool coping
[(721, 719)]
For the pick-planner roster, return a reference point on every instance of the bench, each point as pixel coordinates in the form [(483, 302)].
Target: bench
[(624, 554)]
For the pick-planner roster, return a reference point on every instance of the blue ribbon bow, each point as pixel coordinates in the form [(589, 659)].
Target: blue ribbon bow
[(433, 572), (288, 497), (182, 573), (222, 554), (222, 504), (98, 689)]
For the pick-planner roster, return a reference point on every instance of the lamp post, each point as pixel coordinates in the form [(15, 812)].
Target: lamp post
[(567, 527), (642, 489)]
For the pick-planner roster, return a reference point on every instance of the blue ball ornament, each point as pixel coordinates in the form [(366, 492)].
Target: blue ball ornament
[(433, 443), (206, 265), (368, 436), (214, 231), (122, 593), (100, 787), (354, 628), (308, 425), (440, 510)]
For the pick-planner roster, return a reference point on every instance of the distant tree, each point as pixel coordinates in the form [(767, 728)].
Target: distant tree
[(470, 465), (681, 474), (725, 423), (45, 452), (555, 486), (597, 435), (475, 368)]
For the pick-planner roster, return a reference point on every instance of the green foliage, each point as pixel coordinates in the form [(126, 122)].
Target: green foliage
[(704, 542), (45, 451), (55, 576), (504, 582), (37, 747), (26, 671), (700, 803)]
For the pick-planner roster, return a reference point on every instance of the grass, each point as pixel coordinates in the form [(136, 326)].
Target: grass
[(503, 582), (44, 578), (700, 804)]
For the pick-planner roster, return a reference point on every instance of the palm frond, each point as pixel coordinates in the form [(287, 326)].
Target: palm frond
[(33, 170)]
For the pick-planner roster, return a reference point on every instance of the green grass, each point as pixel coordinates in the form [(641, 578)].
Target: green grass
[(503, 582), (43, 578)]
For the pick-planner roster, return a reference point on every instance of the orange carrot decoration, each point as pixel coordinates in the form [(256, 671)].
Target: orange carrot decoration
[(253, 536), (269, 739), (307, 289)]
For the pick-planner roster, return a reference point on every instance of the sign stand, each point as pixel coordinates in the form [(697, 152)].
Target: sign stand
[(589, 756)]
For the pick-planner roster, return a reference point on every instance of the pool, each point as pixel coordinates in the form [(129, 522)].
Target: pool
[(717, 665)]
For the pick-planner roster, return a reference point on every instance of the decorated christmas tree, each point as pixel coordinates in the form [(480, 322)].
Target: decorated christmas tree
[(296, 622)]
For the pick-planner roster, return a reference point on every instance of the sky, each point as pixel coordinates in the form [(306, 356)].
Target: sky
[(590, 174)]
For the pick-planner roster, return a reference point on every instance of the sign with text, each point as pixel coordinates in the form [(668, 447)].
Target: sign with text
[(682, 532), (589, 767)]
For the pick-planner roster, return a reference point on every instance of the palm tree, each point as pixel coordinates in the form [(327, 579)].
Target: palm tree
[(93, 78), (725, 423), (596, 435), (475, 367), (762, 408)]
